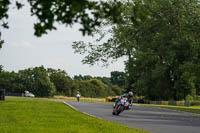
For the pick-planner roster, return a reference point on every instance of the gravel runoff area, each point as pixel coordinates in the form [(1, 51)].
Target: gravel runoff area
[(153, 119)]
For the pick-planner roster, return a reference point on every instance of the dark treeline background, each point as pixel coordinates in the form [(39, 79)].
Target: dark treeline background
[(48, 82)]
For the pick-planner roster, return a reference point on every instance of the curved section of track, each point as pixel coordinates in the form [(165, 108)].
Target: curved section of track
[(155, 120)]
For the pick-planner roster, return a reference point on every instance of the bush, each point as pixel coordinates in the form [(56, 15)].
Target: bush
[(172, 103), (195, 103), (164, 102), (189, 98), (180, 103), (197, 98)]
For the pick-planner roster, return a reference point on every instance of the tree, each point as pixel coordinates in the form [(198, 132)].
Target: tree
[(92, 88), (105, 80), (1, 68), (116, 89), (160, 41), (10, 82), (37, 81), (3, 15), (25, 77), (61, 80), (48, 82), (118, 78), (99, 88), (42, 84), (80, 77)]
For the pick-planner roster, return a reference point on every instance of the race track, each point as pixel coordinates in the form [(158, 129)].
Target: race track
[(155, 120)]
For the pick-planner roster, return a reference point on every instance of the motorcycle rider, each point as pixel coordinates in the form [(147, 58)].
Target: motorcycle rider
[(128, 96), (78, 96)]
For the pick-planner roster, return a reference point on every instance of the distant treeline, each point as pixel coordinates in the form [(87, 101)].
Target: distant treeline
[(48, 82)]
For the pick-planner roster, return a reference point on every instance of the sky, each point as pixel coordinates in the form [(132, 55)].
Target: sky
[(23, 50)]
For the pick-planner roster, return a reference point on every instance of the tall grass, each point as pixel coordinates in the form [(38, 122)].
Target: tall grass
[(81, 99)]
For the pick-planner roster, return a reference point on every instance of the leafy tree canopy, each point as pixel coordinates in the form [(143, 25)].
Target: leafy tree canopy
[(118, 78), (88, 13)]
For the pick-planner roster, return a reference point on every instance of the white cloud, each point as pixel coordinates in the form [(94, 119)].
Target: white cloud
[(22, 44)]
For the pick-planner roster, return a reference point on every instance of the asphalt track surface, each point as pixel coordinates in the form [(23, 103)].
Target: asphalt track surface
[(153, 119)]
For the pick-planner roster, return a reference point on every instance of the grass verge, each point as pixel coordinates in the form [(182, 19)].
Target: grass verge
[(191, 109), (33, 115), (82, 99)]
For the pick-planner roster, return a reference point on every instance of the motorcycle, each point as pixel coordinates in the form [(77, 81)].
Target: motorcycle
[(120, 105)]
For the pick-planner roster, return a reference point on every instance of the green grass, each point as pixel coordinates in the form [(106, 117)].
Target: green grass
[(191, 109), (37, 115)]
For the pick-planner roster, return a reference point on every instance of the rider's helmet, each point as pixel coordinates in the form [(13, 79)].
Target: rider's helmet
[(130, 94)]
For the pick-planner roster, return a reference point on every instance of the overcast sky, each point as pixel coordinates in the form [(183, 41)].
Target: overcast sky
[(23, 50)]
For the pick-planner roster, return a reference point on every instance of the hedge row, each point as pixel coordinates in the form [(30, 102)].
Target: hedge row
[(175, 103)]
